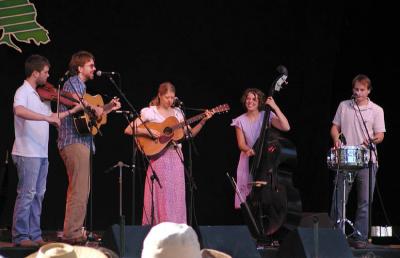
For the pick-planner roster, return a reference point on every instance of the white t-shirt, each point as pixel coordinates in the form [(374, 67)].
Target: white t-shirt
[(151, 114), (31, 137)]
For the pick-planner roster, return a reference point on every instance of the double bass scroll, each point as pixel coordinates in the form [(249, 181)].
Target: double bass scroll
[(260, 143)]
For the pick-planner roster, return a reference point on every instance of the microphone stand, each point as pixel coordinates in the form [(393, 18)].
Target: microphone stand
[(371, 150), (189, 168), (154, 174), (120, 164), (60, 81), (130, 117)]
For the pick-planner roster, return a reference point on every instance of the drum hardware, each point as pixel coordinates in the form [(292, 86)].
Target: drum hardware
[(348, 178), (346, 160)]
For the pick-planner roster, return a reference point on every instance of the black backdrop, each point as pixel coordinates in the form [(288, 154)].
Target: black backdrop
[(212, 51)]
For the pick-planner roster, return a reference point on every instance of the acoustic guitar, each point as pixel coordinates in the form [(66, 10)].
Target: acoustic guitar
[(86, 121), (171, 130)]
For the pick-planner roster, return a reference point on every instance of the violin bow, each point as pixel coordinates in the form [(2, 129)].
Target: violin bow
[(58, 101)]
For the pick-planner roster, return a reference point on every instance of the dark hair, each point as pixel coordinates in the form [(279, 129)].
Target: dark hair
[(363, 79), (258, 93), (79, 59), (162, 90), (35, 63)]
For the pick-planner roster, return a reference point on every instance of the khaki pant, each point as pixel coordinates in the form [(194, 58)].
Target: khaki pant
[(77, 162)]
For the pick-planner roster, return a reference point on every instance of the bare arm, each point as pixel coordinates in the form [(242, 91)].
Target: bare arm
[(376, 138), (28, 114), (134, 124), (114, 104), (195, 130), (280, 121), (241, 141), (335, 132), (128, 130)]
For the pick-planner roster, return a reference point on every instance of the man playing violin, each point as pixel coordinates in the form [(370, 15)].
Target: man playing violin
[(32, 117), (75, 148)]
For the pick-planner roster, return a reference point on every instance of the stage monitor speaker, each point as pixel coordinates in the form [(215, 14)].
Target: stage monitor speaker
[(233, 240), (308, 219), (303, 243), (134, 237)]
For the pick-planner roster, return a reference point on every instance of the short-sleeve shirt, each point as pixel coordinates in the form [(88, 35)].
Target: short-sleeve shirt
[(251, 129), (31, 137), (151, 114), (349, 120)]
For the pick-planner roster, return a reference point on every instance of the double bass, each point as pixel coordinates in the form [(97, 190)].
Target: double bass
[(267, 201)]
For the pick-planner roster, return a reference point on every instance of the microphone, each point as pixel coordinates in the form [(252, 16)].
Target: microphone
[(177, 102), (65, 75), (101, 73), (122, 111), (354, 96)]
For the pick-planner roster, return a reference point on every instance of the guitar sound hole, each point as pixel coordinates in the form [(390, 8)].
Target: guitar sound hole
[(167, 130)]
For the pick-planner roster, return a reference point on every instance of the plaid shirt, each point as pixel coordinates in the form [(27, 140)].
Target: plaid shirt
[(67, 133)]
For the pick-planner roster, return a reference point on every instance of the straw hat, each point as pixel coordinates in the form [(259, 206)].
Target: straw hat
[(61, 250), (172, 240)]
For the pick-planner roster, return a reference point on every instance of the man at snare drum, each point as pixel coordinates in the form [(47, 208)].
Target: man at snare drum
[(349, 122)]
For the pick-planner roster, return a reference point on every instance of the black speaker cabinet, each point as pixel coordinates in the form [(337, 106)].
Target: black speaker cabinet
[(233, 240), (310, 243), (134, 237), (323, 219)]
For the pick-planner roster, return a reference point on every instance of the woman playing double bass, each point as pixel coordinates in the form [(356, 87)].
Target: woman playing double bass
[(248, 127)]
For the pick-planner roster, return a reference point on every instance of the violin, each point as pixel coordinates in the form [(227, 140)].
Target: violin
[(50, 93)]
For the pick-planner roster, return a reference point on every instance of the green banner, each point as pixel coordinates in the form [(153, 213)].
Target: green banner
[(18, 22)]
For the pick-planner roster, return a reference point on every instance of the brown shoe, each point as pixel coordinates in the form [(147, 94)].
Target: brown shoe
[(358, 244), (28, 243), (75, 241)]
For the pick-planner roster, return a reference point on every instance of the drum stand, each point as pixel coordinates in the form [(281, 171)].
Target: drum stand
[(348, 177)]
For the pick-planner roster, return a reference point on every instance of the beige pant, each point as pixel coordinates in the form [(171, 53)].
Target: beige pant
[(77, 162)]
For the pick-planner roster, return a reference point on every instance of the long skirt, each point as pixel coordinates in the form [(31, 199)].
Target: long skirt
[(168, 201)]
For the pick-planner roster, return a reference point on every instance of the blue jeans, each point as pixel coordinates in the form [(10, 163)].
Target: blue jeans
[(361, 178), (32, 175)]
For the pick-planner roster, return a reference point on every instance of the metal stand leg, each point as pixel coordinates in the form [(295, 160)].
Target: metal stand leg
[(348, 177)]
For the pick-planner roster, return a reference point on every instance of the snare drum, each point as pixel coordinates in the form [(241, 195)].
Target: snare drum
[(347, 158)]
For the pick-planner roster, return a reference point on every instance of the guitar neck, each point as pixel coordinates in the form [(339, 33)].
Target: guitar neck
[(189, 121)]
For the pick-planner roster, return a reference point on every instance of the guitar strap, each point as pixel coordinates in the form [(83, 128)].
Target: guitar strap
[(86, 109), (80, 97)]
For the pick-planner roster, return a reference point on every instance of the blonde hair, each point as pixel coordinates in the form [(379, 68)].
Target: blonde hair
[(363, 79), (162, 90)]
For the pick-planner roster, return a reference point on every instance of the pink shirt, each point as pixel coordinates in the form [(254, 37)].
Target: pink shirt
[(350, 122)]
